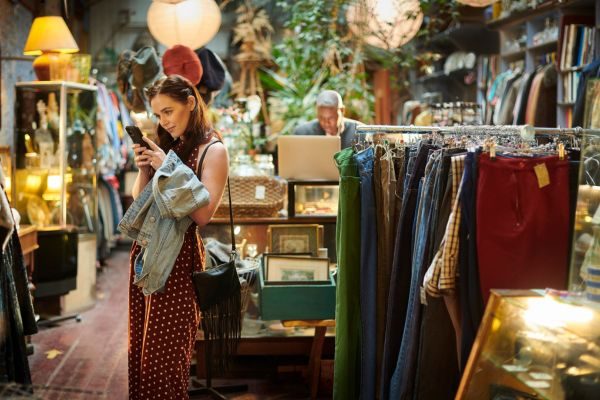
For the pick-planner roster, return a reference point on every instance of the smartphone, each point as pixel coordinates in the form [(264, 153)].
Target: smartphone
[(136, 135)]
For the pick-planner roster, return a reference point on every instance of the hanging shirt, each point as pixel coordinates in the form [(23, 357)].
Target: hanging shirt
[(441, 275)]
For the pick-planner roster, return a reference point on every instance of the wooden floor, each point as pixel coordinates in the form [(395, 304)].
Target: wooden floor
[(92, 363)]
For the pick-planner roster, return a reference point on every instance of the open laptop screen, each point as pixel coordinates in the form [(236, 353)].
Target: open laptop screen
[(308, 157)]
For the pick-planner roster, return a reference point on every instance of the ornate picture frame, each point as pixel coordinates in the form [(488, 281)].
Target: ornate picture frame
[(301, 238)]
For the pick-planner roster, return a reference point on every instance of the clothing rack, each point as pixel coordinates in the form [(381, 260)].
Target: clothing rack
[(527, 132)]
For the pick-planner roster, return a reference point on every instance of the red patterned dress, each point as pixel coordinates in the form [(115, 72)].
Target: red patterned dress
[(162, 326)]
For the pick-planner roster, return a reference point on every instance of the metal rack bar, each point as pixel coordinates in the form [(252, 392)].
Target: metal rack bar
[(525, 131)]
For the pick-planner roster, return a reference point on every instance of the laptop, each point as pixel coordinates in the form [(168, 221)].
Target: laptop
[(308, 157)]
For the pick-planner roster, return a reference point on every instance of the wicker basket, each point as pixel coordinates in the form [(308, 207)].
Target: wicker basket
[(253, 196)]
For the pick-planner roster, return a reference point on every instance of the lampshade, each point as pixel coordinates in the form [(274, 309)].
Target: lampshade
[(385, 23), (477, 3), (192, 23), (49, 34)]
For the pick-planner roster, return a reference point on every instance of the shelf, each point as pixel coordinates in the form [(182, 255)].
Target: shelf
[(521, 376), (441, 75), (514, 54), (522, 16), (460, 37), (275, 220), (544, 46), (533, 13), (565, 104), (431, 77)]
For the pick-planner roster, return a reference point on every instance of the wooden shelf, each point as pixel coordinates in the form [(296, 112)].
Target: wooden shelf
[(533, 13), (274, 221), (522, 16), (514, 54), (441, 75), (431, 77), (460, 37), (552, 44)]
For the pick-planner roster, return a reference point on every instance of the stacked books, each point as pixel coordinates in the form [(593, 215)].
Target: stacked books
[(570, 85), (577, 47)]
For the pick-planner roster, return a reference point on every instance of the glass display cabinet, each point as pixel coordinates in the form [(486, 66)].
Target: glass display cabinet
[(535, 346), (54, 174), (313, 198), (54, 187), (585, 249)]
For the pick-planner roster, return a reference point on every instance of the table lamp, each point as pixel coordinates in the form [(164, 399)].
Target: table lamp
[(48, 35)]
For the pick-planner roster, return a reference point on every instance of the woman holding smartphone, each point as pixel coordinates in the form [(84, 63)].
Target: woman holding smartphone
[(163, 325)]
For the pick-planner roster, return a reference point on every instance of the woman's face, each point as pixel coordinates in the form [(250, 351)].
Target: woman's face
[(172, 115)]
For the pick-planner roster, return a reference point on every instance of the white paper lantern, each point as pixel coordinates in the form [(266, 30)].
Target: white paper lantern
[(192, 23), (477, 3), (387, 23)]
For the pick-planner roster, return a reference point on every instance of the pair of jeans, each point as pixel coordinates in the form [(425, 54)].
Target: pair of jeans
[(368, 273), (385, 183), (437, 375), (401, 267), (522, 223), (347, 339), (401, 384), (471, 302)]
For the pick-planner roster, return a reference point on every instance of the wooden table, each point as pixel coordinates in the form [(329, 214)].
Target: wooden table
[(316, 351)]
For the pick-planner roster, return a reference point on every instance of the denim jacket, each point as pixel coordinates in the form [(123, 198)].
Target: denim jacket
[(158, 220)]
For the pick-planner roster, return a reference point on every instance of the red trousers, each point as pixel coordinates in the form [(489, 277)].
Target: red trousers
[(522, 228)]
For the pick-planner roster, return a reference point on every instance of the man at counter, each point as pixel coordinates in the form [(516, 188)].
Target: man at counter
[(330, 119)]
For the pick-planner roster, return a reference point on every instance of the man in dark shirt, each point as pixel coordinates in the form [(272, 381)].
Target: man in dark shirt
[(330, 119)]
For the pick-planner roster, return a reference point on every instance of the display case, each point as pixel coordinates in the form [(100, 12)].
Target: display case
[(54, 187), (54, 174), (313, 198), (584, 273), (531, 345)]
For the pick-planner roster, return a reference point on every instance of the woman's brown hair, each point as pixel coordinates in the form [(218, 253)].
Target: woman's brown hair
[(199, 129)]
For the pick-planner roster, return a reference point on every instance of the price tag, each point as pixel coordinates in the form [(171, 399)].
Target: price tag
[(542, 175), (259, 194)]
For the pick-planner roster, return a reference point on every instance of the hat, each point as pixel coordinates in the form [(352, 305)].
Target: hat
[(124, 66), (132, 97), (181, 60), (213, 76), (145, 67)]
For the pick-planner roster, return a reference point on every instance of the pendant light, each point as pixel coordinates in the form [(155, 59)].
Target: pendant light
[(477, 3), (192, 23), (387, 24)]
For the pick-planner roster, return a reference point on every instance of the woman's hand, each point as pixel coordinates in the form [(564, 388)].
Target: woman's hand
[(154, 156), (141, 160)]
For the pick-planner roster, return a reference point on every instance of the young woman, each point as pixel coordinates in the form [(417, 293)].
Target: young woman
[(162, 326)]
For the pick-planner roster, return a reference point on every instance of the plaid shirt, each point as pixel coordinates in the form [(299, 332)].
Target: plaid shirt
[(440, 278)]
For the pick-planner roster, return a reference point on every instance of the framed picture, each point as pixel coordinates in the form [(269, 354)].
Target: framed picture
[(591, 117), (296, 269), (295, 238), (267, 255)]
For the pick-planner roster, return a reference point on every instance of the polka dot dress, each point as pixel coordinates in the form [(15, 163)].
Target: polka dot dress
[(162, 326)]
